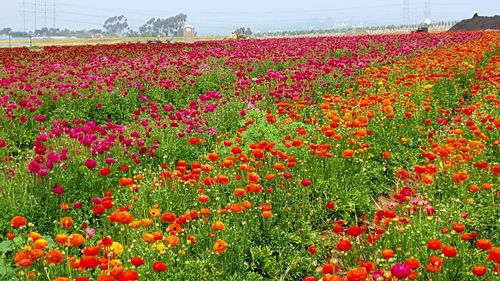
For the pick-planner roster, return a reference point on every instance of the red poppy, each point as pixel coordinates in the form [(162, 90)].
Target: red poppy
[(159, 266)]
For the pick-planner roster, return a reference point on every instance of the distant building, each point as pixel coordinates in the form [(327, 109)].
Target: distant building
[(188, 33)]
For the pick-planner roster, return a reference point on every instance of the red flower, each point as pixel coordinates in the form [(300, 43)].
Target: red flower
[(312, 250), (18, 221), (355, 230), (330, 268), (105, 171), (458, 227), (330, 205), (484, 244), (306, 182), (137, 261), (344, 245), (434, 244), (494, 254), (159, 266), (449, 251), (479, 270)]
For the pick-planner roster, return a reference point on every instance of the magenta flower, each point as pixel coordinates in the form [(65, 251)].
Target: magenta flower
[(90, 163), (40, 118), (58, 189), (400, 270)]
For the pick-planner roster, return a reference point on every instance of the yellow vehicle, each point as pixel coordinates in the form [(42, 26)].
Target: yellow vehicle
[(235, 36)]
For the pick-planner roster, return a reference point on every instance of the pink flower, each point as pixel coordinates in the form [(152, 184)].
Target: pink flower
[(42, 172)]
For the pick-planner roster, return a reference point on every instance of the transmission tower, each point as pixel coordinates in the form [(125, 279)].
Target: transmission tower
[(24, 15), (427, 7), (54, 14), (45, 12), (406, 11), (35, 17)]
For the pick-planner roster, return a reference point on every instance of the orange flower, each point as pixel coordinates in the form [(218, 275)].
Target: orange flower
[(253, 177), (66, 222), (23, 258), (214, 157), (357, 274), (126, 181), (348, 153), (387, 254), (34, 236), (267, 214), (220, 246), (458, 227), (76, 239), (269, 177), (18, 221), (239, 192), (154, 212), (40, 244), (53, 256), (218, 225), (61, 239), (174, 228), (172, 241)]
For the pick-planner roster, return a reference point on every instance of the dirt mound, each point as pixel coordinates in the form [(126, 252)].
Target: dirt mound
[(478, 23)]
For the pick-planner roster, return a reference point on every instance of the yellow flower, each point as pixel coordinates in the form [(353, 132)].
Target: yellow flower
[(117, 248), (428, 86), (115, 262), (160, 247)]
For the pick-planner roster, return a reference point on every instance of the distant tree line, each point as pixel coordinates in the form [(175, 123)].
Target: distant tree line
[(116, 25), (164, 27), (352, 29)]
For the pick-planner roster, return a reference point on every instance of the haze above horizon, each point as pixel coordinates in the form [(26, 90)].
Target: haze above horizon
[(223, 16)]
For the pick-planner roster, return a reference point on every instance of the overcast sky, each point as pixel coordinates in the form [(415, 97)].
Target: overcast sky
[(212, 17)]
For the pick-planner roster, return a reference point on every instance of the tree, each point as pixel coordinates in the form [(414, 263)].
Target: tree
[(243, 31), (116, 25), (6, 30), (168, 26)]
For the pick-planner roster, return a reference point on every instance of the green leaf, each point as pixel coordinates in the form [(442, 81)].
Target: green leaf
[(6, 246)]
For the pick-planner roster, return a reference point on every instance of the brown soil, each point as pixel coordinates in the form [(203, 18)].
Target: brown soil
[(478, 23)]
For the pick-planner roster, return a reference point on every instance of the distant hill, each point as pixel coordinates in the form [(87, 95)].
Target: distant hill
[(478, 23)]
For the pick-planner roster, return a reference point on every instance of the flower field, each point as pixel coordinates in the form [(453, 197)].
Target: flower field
[(326, 158)]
